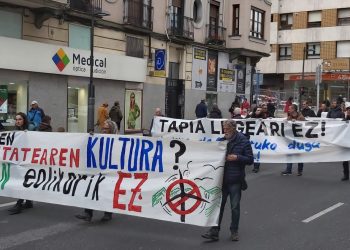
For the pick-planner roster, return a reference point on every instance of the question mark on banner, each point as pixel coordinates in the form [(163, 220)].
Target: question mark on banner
[(178, 153)]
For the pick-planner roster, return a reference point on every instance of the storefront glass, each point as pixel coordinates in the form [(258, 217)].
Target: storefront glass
[(13, 99), (77, 107)]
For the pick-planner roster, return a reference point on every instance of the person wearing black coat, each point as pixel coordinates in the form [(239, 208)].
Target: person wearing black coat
[(306, 111), (215, 112), (335, 111), (322, 109), (22, 123), (201, 109), (238, 154)]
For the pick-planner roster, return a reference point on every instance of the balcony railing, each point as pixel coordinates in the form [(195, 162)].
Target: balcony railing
[(88, 6), (138, 14), (180, 26), (216, 35)]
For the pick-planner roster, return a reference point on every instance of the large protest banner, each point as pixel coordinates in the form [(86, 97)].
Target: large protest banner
[(273, 140), (165, 179)]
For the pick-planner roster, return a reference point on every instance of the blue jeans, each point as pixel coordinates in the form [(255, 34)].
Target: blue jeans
[(234, 191), (300, 167)]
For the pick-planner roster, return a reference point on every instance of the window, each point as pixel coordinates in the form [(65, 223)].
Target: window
[(313, 50), (285, 52), (343, 49), (197, 11), (257, 18), (15, 97), (77, 106), (286, 21), (314, 19), (79, 37), (134, 47), (10, 24), (235, 17), (344, 17)]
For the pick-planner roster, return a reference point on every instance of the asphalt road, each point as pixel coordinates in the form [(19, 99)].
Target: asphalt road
[(272, 211)]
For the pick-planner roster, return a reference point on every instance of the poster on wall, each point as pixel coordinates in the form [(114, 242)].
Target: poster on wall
[(212, 71), (226, 74), (3, 99), (240, 81), (199, 69), (133, 111)]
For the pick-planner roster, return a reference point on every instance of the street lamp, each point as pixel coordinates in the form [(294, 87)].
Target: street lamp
[(303, 73), (94, 12)]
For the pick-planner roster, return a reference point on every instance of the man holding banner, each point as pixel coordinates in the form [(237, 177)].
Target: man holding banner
[(238, 154)]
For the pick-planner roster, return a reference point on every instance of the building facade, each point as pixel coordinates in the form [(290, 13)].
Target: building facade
[(147, 54), (305, 34)]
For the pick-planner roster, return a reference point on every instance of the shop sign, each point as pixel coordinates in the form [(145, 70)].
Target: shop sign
[(200, 54), (227, 75), (19, 54), (325, 77)]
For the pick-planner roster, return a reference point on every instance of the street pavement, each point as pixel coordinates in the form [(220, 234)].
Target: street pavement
[(272, 213)]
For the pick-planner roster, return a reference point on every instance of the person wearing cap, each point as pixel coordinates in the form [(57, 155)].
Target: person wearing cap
[(201, 109), (102, 114), (116, 114), (239, 153), (346, 163), (35, 115)]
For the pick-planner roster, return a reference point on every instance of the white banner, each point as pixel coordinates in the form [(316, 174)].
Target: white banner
[(272, 140), (165, 179)]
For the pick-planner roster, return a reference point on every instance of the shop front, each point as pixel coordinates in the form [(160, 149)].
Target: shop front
[(58, 78)]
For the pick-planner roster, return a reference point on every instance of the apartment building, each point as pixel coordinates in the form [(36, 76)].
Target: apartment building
[(154, 53), (305, 34)]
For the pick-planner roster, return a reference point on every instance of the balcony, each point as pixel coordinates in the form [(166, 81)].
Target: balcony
[(87, 6), (138, 15), (216, 35), (180, 26)]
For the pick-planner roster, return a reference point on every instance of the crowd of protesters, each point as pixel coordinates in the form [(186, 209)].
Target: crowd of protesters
[(238, 150)]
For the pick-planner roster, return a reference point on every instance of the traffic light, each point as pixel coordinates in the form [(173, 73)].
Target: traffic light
[(302, 90)]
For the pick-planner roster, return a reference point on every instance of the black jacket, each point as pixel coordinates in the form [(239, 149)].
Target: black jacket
[(215, 113), (115, 114), (307, 112), (234, 171), (201, 110), (335, 113)]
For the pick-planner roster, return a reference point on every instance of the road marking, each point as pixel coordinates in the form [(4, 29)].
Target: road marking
[(33, 235), (8, 204), (323, 212)]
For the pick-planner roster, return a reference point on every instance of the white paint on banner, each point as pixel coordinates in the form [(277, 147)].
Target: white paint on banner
[(323, 212)]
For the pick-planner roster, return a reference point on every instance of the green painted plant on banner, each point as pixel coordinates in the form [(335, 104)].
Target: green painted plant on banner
[(5, 175)]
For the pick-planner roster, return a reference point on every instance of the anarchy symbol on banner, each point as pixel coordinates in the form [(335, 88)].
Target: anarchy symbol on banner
[(183, 197)]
